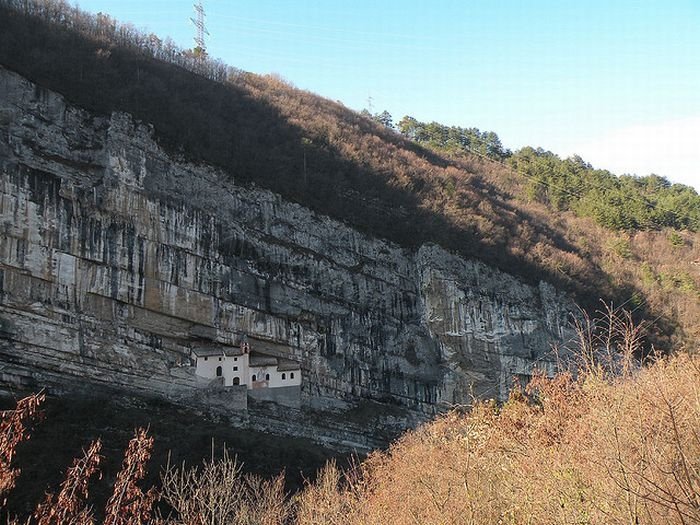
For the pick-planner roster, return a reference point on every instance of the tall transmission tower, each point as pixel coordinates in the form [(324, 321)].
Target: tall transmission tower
[(201, 28)]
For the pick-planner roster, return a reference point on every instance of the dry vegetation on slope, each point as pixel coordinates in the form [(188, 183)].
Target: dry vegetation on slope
[(589, 451), (612, 444)]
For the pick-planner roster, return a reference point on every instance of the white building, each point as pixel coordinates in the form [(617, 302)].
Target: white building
[(272, 372), (237, 365), (228, 364)]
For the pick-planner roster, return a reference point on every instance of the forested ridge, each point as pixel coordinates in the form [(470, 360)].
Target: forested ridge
[(626, 202), (528, 212)]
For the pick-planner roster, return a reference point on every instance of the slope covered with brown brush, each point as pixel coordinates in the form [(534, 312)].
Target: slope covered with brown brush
[(591, 450), (261, 130)]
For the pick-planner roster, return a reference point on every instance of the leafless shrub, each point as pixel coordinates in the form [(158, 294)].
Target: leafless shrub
[(68, 506), (326, 500), (129, 505), (608, 345), (13, 430), (217, 493)]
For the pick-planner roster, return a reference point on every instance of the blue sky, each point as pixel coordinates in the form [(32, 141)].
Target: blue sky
[(616, 81)]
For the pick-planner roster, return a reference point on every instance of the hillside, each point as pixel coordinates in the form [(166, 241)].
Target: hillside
[(161, 209), (316, 152), (593, 450)]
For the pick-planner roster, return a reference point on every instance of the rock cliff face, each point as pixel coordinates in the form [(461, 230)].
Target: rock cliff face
[(116, 260)]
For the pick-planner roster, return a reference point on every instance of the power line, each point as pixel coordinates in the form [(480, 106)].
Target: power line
[(333, 29), (348, 43)]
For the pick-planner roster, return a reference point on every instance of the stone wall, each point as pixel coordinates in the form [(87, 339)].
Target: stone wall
[(289, 396), (112, 252)]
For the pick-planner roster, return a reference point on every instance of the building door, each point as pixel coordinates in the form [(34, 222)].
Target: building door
[(236, 380), (219, 371)]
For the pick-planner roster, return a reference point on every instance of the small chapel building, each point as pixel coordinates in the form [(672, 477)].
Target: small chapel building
[(238, 365)]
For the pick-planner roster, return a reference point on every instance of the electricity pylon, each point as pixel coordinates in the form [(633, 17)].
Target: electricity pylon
[(200, 48)]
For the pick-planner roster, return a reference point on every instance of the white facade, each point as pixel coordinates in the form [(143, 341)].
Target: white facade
[(269, 376), (234, 368)]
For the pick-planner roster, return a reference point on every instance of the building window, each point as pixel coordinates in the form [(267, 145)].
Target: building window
[(219, 371), (235, 359), (235, 368), (219, 359), (284, 376), (255, 378), (291, 375), (206, 358), (236, 380), (267, 377)]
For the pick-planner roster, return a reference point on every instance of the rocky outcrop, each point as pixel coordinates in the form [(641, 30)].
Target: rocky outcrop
[(118, 259)]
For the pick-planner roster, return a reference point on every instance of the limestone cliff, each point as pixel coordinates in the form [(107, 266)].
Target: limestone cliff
[(116, 260)]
